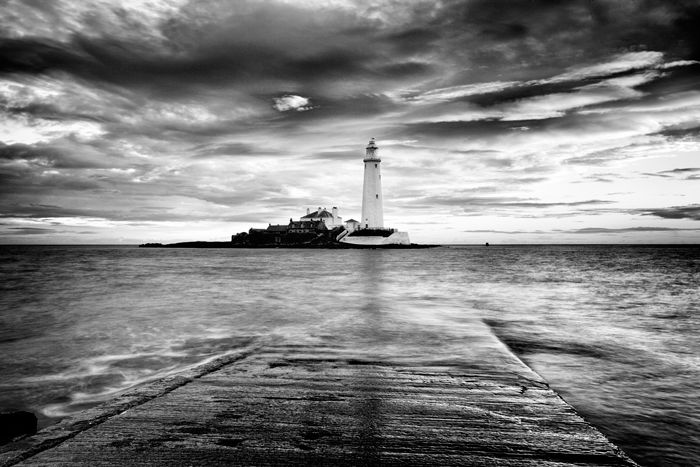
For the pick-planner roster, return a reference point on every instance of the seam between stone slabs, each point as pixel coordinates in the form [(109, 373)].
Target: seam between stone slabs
[(103, 412)]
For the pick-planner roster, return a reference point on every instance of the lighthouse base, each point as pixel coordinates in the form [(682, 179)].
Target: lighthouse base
[(396, 238)]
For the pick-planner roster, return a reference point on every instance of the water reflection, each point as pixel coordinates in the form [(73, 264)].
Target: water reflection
[(368, 379)]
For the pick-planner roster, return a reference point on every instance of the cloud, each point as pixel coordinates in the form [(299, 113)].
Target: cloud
[(591, 230), (691, 211), (260, 47), (472, 202), (456, 92), (231, 149), (619, 64), (64, 153), (172, 110), (687, 171), (691, 134), (349, 155), (292, 102), (507, 232), (27, 231)]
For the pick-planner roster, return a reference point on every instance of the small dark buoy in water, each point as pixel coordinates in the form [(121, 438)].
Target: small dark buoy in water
[(486, 244)]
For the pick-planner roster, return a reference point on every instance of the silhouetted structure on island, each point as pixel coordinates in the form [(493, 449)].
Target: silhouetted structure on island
[(297, 233)]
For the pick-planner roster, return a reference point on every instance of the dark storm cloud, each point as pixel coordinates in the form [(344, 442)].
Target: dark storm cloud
[(231, 149), (138, 212), (61, 155), (44, 210), (414, 39), (687, 172), (25, 182), (677, 79), (475, 129), (48, 111), (27, 231), (589, 230), (560, 30), (37, 55), (495, 201), (26, 152), (571, 84), (524, 91), (691, 211), (254, 44), (261, 47), (682, 133)]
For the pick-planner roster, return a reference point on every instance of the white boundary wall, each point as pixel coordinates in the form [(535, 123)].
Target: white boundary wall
[(397, 238)]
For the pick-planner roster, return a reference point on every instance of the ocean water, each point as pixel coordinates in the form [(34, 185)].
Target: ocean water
[(614, 329)]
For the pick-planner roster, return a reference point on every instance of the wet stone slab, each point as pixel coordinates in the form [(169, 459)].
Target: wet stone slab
[(329, 405)]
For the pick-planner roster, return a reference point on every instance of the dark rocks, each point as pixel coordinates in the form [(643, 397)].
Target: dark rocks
[(16, 424)]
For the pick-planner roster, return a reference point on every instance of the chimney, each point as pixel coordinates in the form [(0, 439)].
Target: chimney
[(308, 211), (319, 210), (335, 211)]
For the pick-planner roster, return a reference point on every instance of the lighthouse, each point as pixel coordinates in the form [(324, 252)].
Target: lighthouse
[(371, 231), (372, 211)]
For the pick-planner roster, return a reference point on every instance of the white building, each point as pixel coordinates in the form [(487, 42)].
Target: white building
[(331, 219), (372, 201), (351, 225)]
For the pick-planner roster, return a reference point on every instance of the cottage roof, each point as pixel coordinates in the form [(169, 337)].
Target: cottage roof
[(277, 228), (351, 220), (318, 214)]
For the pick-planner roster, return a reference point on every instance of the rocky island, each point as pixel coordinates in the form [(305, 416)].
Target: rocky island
[(296, 234), (323, 228)]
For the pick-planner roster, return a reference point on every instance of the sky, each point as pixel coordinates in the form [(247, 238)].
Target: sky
[(520, 121)]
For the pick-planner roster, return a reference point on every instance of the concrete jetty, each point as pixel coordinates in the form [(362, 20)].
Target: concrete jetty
[(324, 402)]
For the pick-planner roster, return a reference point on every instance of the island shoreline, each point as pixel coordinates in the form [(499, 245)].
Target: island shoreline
[(323, 246)]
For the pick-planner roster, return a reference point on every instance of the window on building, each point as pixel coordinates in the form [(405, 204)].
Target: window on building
[(377, 196)]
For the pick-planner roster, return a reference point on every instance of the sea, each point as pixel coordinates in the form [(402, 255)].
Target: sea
[(614, 329)]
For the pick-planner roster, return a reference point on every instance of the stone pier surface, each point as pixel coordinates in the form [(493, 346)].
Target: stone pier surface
[(329, 404)]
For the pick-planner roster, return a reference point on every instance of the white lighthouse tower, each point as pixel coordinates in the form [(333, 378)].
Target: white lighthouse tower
[(371, 231), (372, 211)]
